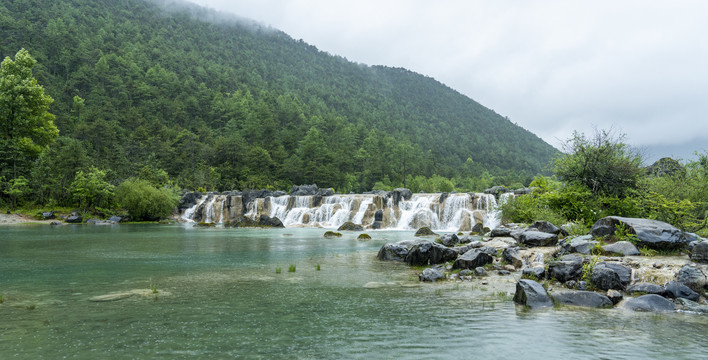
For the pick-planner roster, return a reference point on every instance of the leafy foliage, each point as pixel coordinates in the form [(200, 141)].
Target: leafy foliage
[(91, 189), (144, 201)]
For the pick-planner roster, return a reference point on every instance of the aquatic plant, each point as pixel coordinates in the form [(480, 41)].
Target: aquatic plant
[(318, 267), (364, 236), (278, 270), (153, 287), (291, 268), (332, 234)]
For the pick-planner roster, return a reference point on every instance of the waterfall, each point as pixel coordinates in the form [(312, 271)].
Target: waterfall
[(454, 207), (418, 212), (493, 213)]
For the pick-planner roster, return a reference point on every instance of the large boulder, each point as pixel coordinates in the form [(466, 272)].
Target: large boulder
[(74, 219), (536, 272), (624, 248), (653, 234), (350, 226), (531, 294), (241, 221), (303, 190), (512, 256), (650, 302), (400, 194), (49, 215), (545, 226), (565, 270), (691, 306), (623, 272), (424, 231), (378, 215), (538, 238), (582, 298), (429, 253), (692, 277), (431, 275), (699, 252), (188, 200), (395, 251), (605, 279), (267, 221), (472, 259), (675, 290)]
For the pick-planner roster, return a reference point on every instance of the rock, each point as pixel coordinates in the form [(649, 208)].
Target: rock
[(666, 167), (188, 200), (503, 272), (512, 256), (653, 234), (675, 290), (565, 270), (479, 271), (424, 231), (267, 221), (509, 268), (624, 248), (74, 219), (472, 260), (605, 279), (545, 226), (112, 297), (478, 228), (332, 234), (396, 251), (699, 253), (650, 302), (496, 190), (531, 294), (449, 239), (363, 237), (614, 296), (691, 306), (117, 219), (582, 298), (378, 215), (325, 192), (241, 221), (692, 277), (55, 223), (431, 275), (624, 273), (646, 288), (377, 225), (49, 215), (350, 226), (536, 272), (500, 232), (428, 253), (400, 194), (303, 190), (466, 272), (579, 244), (537, 238)]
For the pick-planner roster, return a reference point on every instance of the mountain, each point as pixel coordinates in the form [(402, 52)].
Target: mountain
[(216, 101)]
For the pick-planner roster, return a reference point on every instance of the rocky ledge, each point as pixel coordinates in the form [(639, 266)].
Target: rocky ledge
[(661, 269)]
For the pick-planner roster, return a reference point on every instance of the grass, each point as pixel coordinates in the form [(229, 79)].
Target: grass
[(588, 267), (153, 287), (291, 268), (318, 267), (278, 270), (645, 251), (2, 299)]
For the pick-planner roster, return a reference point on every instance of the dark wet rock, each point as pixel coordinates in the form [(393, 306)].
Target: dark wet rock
[(531, 294), (579, 244), (468, 239), (582, 298), (428, 253), (449, 239), (650, 302), (424, 231), (501, 231), (241, 221), (350, 226), (699, 252), (303, 190), (472, 260), (614, 296), (93, 221), (267, 221), (581, 285), (675, 290), (646, 288), (623, 272), (692, 277), (523, 191), (325, 192), (74, 219), (466, 272), (503, 272), (400, 194), (691, 306), (395, 251), (49, 215), (512, 256), (544, 226), (480, 271), (332, 234), (624, 248), (537, 238), (565, 270), (378, 215), (478, 228), (496, 190), (188, 200), (653, 234), (537, 272), (605, 279), (431, 275)]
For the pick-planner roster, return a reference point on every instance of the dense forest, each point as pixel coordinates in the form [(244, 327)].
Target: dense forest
[(174, 93)]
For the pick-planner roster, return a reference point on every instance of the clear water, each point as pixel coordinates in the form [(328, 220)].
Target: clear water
[(219, 297)]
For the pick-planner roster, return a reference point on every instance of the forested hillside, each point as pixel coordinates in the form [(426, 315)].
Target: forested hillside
[(220, 103)]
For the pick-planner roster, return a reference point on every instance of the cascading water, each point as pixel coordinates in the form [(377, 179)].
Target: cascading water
[(455, 207), (418, 212)]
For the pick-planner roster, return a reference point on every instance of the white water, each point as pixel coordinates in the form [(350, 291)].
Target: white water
[(333, 211)]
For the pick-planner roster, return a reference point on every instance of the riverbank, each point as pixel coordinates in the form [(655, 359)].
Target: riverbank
[(15, 219)]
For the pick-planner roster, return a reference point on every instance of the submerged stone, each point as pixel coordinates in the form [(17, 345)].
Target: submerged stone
[(531, 294)]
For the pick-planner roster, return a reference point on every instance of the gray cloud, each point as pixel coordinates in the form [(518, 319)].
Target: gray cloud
[(551, 66)]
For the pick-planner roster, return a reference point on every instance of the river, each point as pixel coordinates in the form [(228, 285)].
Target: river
[(218, 296)]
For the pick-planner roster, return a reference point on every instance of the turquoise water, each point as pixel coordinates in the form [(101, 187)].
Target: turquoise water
[(218, 296)]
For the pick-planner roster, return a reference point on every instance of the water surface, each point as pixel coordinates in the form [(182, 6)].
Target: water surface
[(218, 296)]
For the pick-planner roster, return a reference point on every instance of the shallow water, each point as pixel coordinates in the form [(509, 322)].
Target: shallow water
[(218, 296)]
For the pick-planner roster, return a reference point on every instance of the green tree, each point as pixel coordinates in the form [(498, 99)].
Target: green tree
[(604, 164), (144, 201), (90, 189), (26, 126), (15, 189)]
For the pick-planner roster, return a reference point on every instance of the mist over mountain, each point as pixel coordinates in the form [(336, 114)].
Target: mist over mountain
[(221, 102)]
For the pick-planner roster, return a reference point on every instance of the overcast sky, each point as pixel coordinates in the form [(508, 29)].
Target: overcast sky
[(552, 67)]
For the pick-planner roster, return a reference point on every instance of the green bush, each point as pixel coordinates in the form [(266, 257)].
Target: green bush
[(143, 201), (529, 208)]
